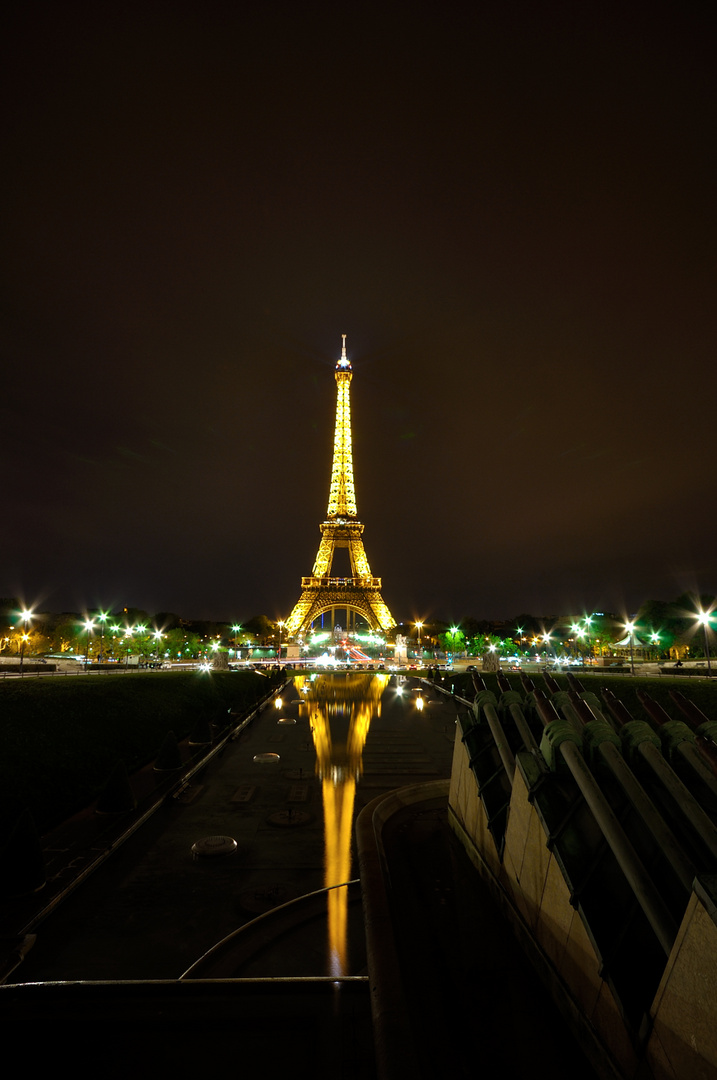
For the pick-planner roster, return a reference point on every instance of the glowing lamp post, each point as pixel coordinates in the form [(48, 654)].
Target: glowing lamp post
[(141, 645), (704, 618), (576, 632), (419, 627), (655, 640), (102, 618), (630, 627), (280, 624), (25, 617), (237, 630), (89, 625)]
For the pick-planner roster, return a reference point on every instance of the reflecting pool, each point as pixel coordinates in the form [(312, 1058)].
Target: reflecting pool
[(340, 711)]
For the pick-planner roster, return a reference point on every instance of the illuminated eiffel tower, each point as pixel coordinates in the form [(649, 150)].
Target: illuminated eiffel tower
[(360, 593)]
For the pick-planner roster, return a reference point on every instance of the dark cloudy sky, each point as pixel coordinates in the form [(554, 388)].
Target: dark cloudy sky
[(508, 208)]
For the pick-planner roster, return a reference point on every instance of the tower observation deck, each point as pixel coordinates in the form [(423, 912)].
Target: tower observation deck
[(360, 593)]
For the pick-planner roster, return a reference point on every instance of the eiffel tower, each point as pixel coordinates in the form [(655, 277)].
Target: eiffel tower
[(361, 593)]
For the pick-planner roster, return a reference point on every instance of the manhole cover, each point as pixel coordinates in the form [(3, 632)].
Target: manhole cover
[(266, 759), (214, 845)]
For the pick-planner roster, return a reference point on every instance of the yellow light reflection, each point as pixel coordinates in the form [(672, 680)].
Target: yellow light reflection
[(341, 708)]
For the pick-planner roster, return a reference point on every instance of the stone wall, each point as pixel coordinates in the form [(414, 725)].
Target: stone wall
[(528, 882)]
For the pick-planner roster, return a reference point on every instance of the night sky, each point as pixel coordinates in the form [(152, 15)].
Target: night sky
[(508, 208)]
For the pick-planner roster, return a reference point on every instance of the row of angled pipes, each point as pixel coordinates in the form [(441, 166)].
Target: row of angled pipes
[(695, 747)]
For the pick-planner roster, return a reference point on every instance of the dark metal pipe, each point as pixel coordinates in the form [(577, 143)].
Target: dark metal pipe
[(639, 798), (686, 802), (692, 714), (618, 710), (478, 683), (575, 684), (503, 683), (527, 683), (582, 711), (545, 709), (653, 708), (681, 795), (523, 730), (696, 719), (690, 751), (663, 835), (629, 861), (502, 745), (550, 682)]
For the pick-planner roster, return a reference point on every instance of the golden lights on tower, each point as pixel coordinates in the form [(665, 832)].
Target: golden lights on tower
[(342, 495), (361, 592)]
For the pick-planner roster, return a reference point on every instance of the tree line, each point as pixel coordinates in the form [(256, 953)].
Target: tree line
[(663, 626)]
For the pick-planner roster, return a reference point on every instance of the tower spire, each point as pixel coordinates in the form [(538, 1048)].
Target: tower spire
[(342, 495)]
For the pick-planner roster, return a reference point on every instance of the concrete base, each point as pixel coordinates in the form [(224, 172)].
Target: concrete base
[(529, 886)]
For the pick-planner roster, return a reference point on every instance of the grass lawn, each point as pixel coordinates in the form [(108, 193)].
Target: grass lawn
[(62, 737)]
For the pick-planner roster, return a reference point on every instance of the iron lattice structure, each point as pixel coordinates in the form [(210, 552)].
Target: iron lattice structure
[(360, 593)]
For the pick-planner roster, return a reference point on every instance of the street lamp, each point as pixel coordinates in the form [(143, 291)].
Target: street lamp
[(158, 635), (89, 625), (237, 631), (630, 627), (419, 627), (25, 617), (575, 631), (655, 640), (280, 624), (102, 617), (704, 618), (141, 630)]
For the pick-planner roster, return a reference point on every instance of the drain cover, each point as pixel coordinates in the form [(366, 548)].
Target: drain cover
[(214, 845), (266, 759)]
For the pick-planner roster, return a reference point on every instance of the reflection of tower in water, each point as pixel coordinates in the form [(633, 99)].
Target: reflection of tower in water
[(341, 709)]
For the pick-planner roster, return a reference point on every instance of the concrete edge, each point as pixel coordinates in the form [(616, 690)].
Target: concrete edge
[(596, 1053), (393, 1036)]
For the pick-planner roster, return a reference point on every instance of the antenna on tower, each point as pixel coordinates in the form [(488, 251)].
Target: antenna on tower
[(344, 357)]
